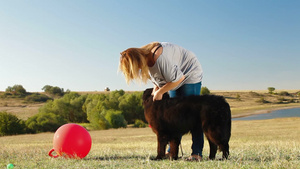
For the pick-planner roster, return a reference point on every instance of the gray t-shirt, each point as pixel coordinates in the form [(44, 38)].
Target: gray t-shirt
[(173, 63)]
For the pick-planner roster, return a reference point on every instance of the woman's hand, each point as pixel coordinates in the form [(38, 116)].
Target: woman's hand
[(158, 92), (155, 88), (157, 95)]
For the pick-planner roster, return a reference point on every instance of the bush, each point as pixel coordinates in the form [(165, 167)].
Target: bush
[(6, 94), (10, 124), (131, 107), (284, 93), (54, 91), (98, 121), (97, 106), (292, 101), (36, 97), (113, 99), (139, 124), (44, 122), (262, 100), (115, 119), (204, 90), (69, 107), (93, 107), (238, 97), (17, 90), (283, 100)]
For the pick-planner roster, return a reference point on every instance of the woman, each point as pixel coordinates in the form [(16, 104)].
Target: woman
[(171, 68)]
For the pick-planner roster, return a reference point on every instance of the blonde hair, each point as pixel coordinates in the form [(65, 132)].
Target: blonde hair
[(134, 63), (150, 46)]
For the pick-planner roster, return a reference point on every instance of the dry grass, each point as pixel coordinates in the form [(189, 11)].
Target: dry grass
[(245, 103), (254, 144), (18, 107)]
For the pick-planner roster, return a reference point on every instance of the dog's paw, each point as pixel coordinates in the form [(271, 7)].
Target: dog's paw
[(157, 158), (173, 158)]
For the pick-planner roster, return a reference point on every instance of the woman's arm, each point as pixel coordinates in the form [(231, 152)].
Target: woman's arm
[(168, 86), (155, 88)]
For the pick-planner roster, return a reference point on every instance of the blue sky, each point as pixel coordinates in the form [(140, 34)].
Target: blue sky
[(241, 44)]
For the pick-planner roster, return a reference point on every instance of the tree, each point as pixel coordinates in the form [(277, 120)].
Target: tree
[(271, 90), (131, 107), (115, 118), (103, 110), (16, 90), (94, 107), (69, 107), (10, 124), (47, 88), (55, 91), (113, 99), (205, 90), (9, 89), (44, 122)]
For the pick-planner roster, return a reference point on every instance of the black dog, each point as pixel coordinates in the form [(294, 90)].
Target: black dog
[(170, 118)]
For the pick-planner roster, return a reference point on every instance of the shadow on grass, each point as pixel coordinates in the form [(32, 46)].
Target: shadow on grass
[(140, 157), (132, 157), (116, 157)]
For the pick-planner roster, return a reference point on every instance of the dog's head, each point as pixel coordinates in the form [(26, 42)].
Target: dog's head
[(147, 95), (149, 105)]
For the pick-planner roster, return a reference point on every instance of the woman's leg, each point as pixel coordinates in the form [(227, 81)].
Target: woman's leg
[(188, 90)]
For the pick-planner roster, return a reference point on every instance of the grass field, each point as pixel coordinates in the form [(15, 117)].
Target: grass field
[(254, 144)]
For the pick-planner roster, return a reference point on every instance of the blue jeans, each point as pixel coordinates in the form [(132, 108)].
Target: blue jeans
[(188, 90)]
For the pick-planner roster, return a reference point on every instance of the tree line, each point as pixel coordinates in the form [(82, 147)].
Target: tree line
[(114, 109), (101, 111)]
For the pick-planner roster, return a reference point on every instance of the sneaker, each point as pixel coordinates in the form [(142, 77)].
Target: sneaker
[(194, 157), (167, 155)]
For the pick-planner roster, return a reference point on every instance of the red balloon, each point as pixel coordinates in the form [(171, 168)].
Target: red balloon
[(71, 141)]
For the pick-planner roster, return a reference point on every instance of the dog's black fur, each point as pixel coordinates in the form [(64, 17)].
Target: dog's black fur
[(170, 118)]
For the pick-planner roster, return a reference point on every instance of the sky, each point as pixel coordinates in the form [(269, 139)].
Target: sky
[(76, 44)]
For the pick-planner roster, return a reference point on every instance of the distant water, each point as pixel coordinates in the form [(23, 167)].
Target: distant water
[(294, 112)]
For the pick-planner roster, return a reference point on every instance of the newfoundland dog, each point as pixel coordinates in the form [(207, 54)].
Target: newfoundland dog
[(170, 118)]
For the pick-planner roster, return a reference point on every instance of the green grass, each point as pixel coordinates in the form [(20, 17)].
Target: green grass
[(254, 144)]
